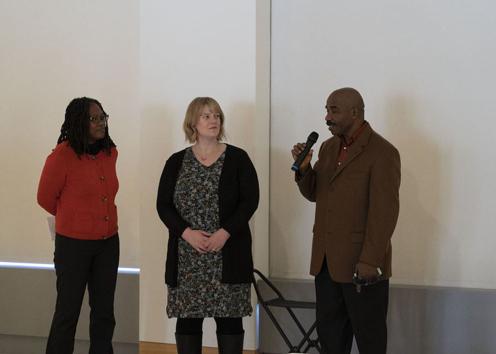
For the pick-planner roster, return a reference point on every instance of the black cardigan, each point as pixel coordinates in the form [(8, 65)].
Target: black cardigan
[(238, 200)]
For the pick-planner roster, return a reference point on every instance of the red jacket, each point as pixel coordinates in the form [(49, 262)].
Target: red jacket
[(80, 192)]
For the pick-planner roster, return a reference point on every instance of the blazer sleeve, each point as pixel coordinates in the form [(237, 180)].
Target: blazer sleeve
[(165, 203), (52, 181), (383, 207), (307, 183), (249, 194)]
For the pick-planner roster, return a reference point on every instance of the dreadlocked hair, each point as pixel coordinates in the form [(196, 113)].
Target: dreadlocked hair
[(75, 129)]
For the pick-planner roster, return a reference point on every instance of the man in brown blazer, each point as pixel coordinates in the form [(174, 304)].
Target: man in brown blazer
[(355, 185)]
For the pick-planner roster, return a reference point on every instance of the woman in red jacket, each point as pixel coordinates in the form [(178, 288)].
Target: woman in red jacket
[(78, 186)]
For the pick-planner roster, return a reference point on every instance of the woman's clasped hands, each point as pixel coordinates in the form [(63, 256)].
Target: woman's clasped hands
[(204, 242)]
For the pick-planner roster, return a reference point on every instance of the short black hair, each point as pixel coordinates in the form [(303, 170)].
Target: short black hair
[(75, 128)]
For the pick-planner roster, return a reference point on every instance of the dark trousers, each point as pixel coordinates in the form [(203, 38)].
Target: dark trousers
[(81, 263), (225, 325), (343, 312)]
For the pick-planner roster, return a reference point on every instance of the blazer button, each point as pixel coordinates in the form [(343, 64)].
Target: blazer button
[(104, 199), (102, 178), (106, 218)]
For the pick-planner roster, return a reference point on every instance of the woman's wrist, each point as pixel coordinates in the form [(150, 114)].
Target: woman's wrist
[(225, 233), (185, 233)]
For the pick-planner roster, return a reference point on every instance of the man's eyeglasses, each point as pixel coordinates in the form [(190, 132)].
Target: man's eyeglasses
[(101, 119)]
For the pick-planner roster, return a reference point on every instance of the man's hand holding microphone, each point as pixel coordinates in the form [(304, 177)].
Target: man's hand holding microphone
[(302, 154)]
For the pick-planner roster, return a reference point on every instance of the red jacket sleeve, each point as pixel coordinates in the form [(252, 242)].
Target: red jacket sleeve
[(52, 181)]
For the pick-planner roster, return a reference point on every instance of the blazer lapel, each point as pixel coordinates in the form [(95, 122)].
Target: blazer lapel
[(354, 150), (332, 157)]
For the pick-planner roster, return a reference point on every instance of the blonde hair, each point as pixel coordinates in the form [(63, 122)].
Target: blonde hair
[(193, 112)]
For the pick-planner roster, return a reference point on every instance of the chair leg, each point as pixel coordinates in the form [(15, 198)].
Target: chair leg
[(189, 343), (230, 343)]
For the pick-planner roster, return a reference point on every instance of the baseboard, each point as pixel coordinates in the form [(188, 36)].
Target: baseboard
[(35, 345), (164, 348)]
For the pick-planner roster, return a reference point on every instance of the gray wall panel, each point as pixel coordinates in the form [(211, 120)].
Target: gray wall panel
[(28, 297), (422, 320)]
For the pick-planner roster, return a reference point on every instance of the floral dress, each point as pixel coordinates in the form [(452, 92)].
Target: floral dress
[(199, 292)]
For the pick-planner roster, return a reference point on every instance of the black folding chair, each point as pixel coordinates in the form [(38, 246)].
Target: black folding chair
[(289, 305)]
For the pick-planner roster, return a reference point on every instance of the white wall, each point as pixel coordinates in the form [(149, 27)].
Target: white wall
[(145, 61), (190, 49), (51, 52), (426, 71)]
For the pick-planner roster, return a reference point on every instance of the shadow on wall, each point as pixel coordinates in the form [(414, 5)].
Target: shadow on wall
[(291, 219), (162, 135), (422, 194), (417, 243), (239, 125), (156, 132)]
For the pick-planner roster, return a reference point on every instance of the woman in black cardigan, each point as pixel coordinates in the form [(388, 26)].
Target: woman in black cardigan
[(207, 194)]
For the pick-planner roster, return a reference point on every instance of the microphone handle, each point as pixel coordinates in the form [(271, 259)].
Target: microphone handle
[(296, 165)]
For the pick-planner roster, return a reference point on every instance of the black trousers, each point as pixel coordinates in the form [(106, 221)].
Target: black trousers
[(343, 312), (81, 263)]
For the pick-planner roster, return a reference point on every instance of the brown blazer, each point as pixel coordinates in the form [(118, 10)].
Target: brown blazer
[(357, 205)]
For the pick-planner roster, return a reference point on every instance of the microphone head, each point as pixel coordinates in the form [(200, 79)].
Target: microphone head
[(313, 137)]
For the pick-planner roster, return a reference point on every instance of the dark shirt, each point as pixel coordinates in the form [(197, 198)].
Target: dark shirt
[(95, 148), (346, 143)]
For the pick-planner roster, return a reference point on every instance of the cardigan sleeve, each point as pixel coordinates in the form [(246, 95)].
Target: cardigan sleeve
[(52, 181), (248, 196), (165, 203)]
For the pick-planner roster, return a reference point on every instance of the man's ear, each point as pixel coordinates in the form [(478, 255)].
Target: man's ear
[(354, 112)]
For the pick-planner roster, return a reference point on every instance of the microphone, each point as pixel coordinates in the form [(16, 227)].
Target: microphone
[(312, 139)]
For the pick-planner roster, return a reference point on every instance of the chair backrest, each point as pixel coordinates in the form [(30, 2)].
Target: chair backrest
[(256, 273)]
